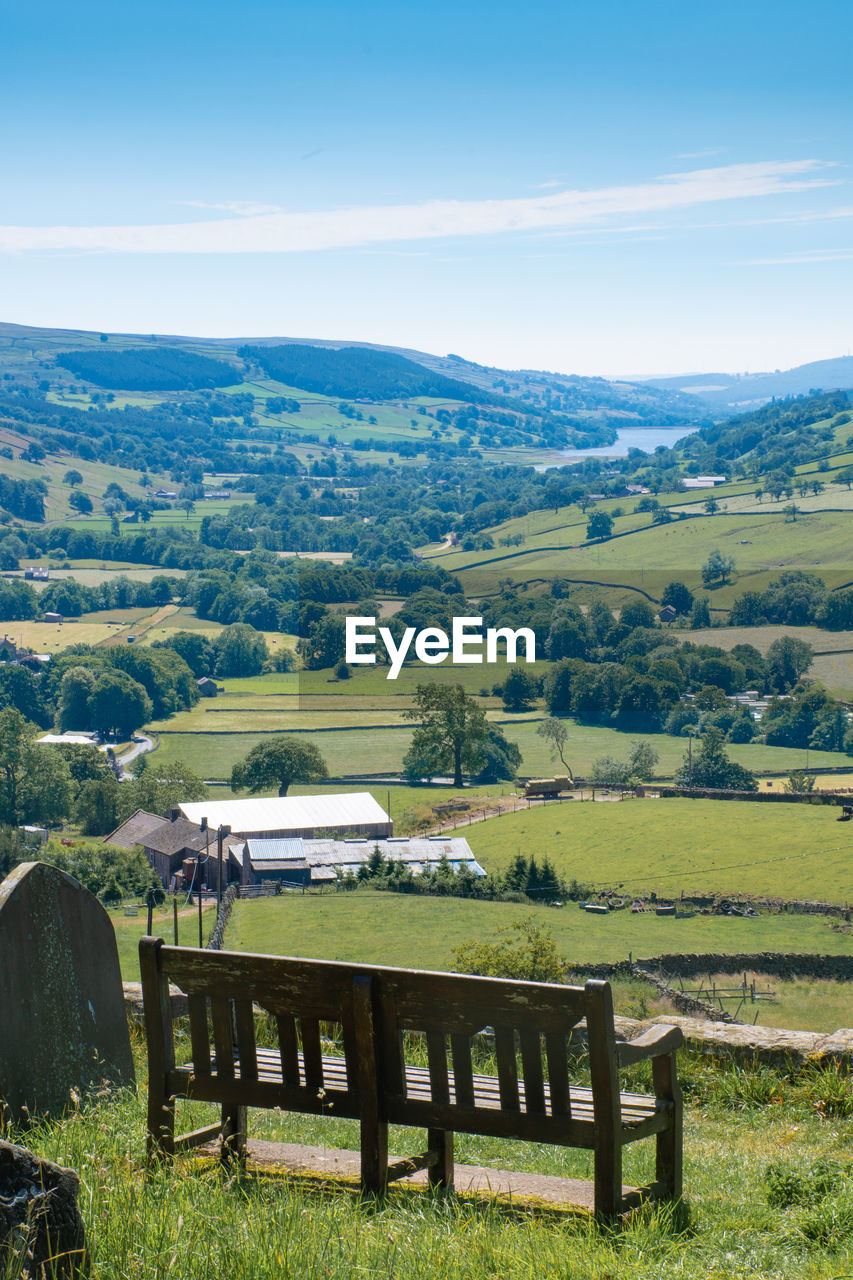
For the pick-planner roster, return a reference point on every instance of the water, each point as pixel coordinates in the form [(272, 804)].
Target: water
[(645, 438)]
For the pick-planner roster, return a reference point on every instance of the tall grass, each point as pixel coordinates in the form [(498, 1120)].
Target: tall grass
[(767, 1176)]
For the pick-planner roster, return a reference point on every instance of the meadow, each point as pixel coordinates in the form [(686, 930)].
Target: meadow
[(194, 1221), (199, 738), (670, 846), (399, 929)]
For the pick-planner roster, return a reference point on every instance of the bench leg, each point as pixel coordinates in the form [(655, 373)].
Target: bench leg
[(234, 1126), (441, 1173), (160, 1140), (374, 1156), (670, 1142), (608, 1181)]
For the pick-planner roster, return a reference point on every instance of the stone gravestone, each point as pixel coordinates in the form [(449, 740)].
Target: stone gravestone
[(63, 1025)]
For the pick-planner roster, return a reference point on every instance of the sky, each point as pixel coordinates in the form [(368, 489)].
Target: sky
[(624, 187)]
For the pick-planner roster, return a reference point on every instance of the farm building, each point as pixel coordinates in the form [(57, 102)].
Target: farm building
[(351, 813), (207, 688), (169, 843), (319, 862)]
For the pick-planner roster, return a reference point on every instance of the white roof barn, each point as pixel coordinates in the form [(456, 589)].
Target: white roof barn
[(271, 816)]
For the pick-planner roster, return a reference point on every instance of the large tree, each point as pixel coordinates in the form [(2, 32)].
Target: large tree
[(35, 782), (278, 762), (451, 730), (711, 767)]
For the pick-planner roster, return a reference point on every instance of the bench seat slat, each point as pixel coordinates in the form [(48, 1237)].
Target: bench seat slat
[(638, 1112)]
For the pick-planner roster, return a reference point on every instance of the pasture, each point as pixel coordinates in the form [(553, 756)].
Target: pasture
[(351, 750), (397, 929), (670, 846)]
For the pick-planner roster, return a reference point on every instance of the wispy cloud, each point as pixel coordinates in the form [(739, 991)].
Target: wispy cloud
[(699, 155), (808, 256), (243, 208), (283, 232)]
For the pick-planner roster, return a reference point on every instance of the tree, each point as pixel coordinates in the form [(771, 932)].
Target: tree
[(451, 729), (158, 787), (80, 501), (700, 614), (518, 691), (637, 613), (788, 659), (677, 596), (524, 951), (717, 569), (187, 505), (711, 767), (501, 758), (35, 784), (712, 506), (556, 734), (72, 478), (600, 525), (195, 649), (800, 783), (240, 651), (278, 763), (118, 704)]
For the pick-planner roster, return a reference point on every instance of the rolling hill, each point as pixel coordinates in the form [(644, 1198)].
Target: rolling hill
[(728, 391)]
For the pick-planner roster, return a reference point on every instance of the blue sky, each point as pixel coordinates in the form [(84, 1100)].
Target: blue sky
[(629, 186)]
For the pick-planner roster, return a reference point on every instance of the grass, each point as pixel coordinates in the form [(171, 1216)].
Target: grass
[(198, 737), (192, 1221), (129, 929), (396, 929), (790, 851), (801, 1004)]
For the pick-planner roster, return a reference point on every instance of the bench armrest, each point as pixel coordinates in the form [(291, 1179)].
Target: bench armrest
[(651, 1044)]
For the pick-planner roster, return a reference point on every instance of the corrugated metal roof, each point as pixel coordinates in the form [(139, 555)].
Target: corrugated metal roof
[(416, 852), (289, 813), (286, 850)]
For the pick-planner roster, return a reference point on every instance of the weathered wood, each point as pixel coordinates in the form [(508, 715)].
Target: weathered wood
[(463, 1077), (375, 1012), (288, 1049), (199, 1034), (440, 1173), (374, 1131), (244, 1022), (605, 1099), (670, 1140), (161, 1050)]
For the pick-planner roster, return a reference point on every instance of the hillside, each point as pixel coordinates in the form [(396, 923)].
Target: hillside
[(728, 391), (579, 406)]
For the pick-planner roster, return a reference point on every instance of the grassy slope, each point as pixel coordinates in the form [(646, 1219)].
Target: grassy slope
[(186, 1220), (379, 928), (672, 845)]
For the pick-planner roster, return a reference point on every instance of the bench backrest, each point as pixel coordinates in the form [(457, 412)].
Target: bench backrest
[(531, 1021), (222, 988)]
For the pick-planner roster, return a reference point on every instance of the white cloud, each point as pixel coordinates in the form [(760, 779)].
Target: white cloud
[(282, 232)]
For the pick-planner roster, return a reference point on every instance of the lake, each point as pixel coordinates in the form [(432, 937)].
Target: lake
[(645, 438)]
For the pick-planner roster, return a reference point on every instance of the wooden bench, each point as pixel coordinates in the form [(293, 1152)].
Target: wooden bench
[(380, 1012)]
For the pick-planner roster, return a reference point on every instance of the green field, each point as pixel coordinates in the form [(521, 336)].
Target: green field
[(395, 929), (670, 846)]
